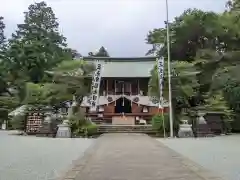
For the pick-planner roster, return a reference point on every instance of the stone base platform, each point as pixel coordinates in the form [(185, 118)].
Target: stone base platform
[(134, 157)]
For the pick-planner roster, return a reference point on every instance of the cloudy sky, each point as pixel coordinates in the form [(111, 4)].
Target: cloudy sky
[(119, 25)]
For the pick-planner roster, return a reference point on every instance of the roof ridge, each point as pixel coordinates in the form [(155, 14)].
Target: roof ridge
[(134, 59)]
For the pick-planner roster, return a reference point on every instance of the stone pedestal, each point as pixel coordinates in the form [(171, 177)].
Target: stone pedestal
[(185, 130), (64, 130)]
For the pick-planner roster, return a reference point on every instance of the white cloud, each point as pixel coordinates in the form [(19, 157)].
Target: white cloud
[(120, 25)]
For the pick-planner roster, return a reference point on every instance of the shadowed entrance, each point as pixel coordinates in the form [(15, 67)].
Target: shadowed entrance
[(123, 105)]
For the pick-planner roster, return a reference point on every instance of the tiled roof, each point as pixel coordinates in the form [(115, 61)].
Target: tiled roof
[(125, 66), (127, 69)]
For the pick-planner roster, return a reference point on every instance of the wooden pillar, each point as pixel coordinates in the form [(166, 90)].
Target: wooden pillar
[(107, 86), (131, 92), (138, 89), (107, 89)]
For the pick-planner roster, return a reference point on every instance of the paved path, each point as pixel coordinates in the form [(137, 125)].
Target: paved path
[(134, 157), (38, 158), (219, 154)]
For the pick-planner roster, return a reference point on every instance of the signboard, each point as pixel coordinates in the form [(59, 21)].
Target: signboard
[(160, 66), (95, 87)]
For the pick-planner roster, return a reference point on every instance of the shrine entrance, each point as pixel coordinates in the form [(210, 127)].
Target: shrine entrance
[(123, 105)]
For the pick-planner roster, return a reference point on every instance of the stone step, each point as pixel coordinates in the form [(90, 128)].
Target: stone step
[(124, 128), (150, 132)]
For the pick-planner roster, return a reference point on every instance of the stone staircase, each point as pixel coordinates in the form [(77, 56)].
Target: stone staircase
[(125, 129)]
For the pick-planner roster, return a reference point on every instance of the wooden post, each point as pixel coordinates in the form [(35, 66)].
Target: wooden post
[(115, 91), (138, 91), (123, 92)]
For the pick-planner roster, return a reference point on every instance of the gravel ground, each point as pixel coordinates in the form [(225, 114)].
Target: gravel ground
[(218, 154), (36, 158)]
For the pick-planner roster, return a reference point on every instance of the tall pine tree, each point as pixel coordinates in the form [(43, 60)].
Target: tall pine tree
[(2, 27), (37, 45), (2, 39), (3, 84), (102, 52)]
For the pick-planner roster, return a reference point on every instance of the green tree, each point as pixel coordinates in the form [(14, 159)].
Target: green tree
[(188, 33), (219, 66), (3, 83), (75, 54), (7, 102), (37, 44), (102, 52), (36, 94), (2, 36), (74, 78), (233, 5), (211, 41), (68, 79), (207, 39), (184, 83)]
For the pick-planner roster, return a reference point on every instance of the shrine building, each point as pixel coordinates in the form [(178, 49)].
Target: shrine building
[(122, 96)]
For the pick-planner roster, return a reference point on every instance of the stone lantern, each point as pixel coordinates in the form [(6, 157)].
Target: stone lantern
[(64, 130)]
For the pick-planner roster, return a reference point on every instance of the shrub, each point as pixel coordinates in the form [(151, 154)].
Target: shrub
[(157, 123), (18, 122), (77, 121), (92, 129), (80, 126)]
